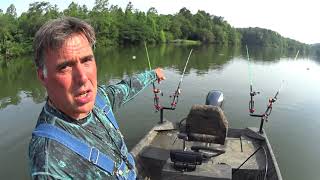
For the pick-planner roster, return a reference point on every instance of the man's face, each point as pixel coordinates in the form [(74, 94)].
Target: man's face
[(71, 80)]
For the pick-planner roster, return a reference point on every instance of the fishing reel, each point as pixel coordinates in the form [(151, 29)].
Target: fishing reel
[(266, 114), (269, 107), (157, 91), (251, 102), (156, 99), (176, 93), (175, 96)]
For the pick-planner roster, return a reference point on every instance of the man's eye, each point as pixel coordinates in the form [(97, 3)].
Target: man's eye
[(87, 60), (63, 68)]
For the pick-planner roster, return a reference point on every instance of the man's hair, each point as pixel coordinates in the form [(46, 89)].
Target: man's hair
[(53, 34)]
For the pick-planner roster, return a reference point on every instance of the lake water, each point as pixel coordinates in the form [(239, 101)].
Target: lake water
[(293, 126)]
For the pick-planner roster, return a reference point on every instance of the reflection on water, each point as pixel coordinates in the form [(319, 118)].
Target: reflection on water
[(17, 76), (292, 128)]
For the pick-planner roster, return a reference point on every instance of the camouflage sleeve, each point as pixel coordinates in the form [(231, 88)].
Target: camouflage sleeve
[(128, 88), (46, 176), (38, 160)]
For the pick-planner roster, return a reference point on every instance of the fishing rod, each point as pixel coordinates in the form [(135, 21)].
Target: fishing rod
[(156, 91), (264, 116), (178, 90), (252, 93), (295, 58), (176, 93)]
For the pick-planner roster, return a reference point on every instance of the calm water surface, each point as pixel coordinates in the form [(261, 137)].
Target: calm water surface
[(293, 127)]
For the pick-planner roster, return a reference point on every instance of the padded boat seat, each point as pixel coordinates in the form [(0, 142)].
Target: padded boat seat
[(206, 123)]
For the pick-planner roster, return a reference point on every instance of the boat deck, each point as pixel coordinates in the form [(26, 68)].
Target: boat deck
[(153, 156), (234, 155)]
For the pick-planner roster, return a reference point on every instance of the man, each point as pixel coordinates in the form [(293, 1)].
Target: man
[(76, 136)]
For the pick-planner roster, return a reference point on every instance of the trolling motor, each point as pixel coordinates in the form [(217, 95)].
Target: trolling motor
[(215, 98)]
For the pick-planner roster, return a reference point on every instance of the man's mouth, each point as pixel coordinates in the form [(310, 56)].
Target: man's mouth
[(83, 94), (84, 97)]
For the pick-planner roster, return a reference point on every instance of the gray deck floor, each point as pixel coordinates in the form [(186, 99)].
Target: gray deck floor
[(233, 155)]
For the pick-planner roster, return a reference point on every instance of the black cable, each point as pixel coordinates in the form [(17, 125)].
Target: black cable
[(266, 164), (247, 160)]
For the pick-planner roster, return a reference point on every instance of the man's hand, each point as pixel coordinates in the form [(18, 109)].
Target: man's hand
[(160, 74)]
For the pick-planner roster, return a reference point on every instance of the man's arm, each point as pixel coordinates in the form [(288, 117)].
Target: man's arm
[(128, 88), (46, 176)]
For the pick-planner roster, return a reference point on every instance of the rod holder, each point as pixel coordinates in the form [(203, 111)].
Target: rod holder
[(161, 112), (261, 122)]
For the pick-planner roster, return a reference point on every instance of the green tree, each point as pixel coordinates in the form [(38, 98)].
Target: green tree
[(76, 10), (11, 11), (115, 26), (101, 6)]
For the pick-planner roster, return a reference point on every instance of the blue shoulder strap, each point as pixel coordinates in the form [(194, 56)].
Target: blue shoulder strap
[(107, 110), (90, 153)]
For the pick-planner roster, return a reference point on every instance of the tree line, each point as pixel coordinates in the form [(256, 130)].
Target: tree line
[(117, 26), (268, 38), (315, 51)]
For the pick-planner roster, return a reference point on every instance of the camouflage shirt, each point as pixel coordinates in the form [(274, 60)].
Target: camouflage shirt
[(51, 160)]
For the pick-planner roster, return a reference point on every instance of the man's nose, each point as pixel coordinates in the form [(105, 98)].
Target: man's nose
[(80, 75)]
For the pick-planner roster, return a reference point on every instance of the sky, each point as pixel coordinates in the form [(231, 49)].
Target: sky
[(295, 19)]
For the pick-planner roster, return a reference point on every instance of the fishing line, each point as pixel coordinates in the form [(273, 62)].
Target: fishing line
[(296, 55), (145, 46), (249, 66), (252, 93), (283, 81), (184, 70)]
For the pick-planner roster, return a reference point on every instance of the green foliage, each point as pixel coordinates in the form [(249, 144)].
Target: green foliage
[(267, 38), (115, 26), (76, 10), (11, 11), (315, 51), (163, 36), (185, 42)]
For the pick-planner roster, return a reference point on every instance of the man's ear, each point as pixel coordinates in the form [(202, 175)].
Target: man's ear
[(42, 77)]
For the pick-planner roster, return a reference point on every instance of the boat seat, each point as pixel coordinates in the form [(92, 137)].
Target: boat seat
[(207, 124)]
